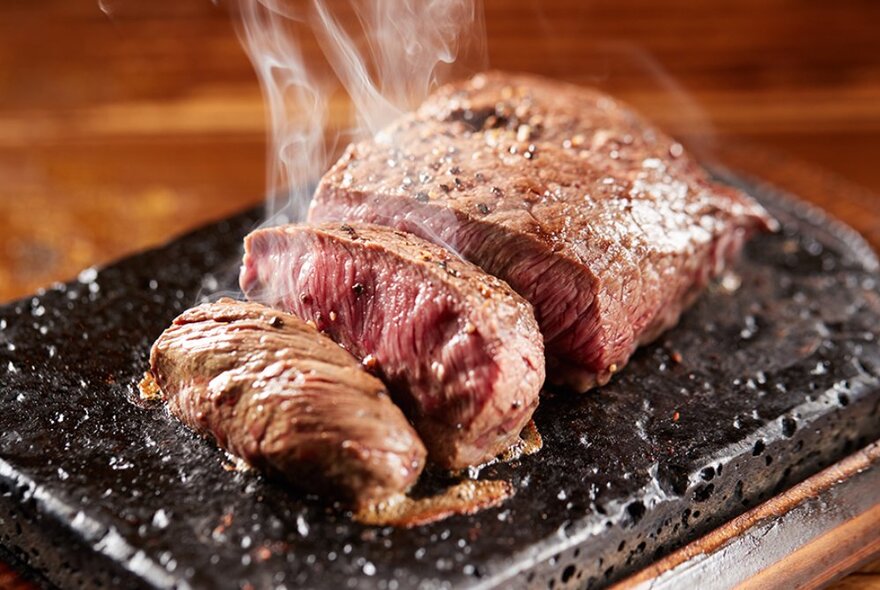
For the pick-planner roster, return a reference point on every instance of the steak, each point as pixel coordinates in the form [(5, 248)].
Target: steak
[(597, 218), (270, 389), (459, 349)]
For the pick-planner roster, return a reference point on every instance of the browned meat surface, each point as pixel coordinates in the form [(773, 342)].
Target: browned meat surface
[(459, 350), (271, 390), (597, 218)]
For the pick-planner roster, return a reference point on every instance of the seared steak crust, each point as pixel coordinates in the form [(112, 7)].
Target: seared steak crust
[(597, 218), (271, 390), (458, 348)]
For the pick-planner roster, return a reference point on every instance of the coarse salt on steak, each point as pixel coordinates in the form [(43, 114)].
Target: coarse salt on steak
[(596, 217)]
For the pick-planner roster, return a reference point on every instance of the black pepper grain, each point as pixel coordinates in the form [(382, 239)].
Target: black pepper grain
[(349, 230)]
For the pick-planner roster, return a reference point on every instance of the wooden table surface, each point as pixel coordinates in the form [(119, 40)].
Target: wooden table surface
[(118, 132)]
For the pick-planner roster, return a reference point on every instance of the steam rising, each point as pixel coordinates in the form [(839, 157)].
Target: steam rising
[(387, 55), (296, 103)]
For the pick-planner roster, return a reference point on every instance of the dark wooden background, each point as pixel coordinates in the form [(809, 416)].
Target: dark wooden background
[(117, 132)]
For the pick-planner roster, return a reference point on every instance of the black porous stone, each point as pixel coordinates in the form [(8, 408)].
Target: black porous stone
[(773, 375)]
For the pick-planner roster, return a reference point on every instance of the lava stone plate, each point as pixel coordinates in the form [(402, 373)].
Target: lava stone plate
[(773, 375)]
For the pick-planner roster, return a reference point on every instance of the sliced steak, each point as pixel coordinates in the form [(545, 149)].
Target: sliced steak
[(597, 218), (270, 389), (459, 350)]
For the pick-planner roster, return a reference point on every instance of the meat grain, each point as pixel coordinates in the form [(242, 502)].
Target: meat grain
[(459, 350), (593, 215), (270, 389)]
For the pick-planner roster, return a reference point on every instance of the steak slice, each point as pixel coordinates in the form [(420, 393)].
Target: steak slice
[(459, 350), (597, 218), (270, 389)]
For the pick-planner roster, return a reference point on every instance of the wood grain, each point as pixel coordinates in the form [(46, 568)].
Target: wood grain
[(118, 132), (818, 554), (823, 560), (867, 578)]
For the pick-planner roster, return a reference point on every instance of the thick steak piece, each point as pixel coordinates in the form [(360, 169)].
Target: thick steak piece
[(270, 389), (459, 349), (597, 218)]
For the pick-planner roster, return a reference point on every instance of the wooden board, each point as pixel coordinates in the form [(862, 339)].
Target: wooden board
[(116, 133), (805, 537)]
